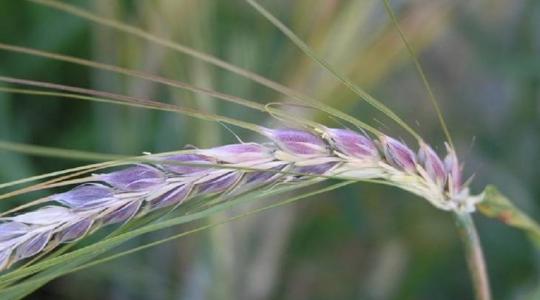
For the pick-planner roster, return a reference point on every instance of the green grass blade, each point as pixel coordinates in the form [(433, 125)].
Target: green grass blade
[(121, 99), (79, 12), (144, 103), (8, 146), (57, 152), (73, 10), (134, 73), (420, 70), (347, 82)]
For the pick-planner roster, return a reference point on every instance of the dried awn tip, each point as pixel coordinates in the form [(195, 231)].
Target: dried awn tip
[(294, 155)]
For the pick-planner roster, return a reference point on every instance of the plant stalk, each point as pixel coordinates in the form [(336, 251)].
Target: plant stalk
[(474, 255)]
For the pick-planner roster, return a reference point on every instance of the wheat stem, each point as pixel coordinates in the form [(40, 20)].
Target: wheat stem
[(474, 255)]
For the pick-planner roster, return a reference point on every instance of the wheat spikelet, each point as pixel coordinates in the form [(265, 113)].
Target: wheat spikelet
[(291, 156)]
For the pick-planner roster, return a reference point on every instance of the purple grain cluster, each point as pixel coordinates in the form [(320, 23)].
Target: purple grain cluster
[(293, 155)]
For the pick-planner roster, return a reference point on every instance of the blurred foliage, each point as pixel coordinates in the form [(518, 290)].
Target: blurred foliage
[(361, 242)]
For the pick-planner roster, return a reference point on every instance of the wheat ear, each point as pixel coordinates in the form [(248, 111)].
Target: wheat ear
[(291, 156)]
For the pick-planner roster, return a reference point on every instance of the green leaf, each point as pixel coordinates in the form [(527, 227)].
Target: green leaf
[(496, 205)]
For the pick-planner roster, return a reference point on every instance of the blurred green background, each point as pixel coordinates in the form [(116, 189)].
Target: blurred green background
[(361, 242)]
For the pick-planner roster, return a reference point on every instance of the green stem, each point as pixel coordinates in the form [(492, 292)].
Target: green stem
[(474, 255)]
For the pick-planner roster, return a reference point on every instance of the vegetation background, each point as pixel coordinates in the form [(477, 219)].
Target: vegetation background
[(360, 242)]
